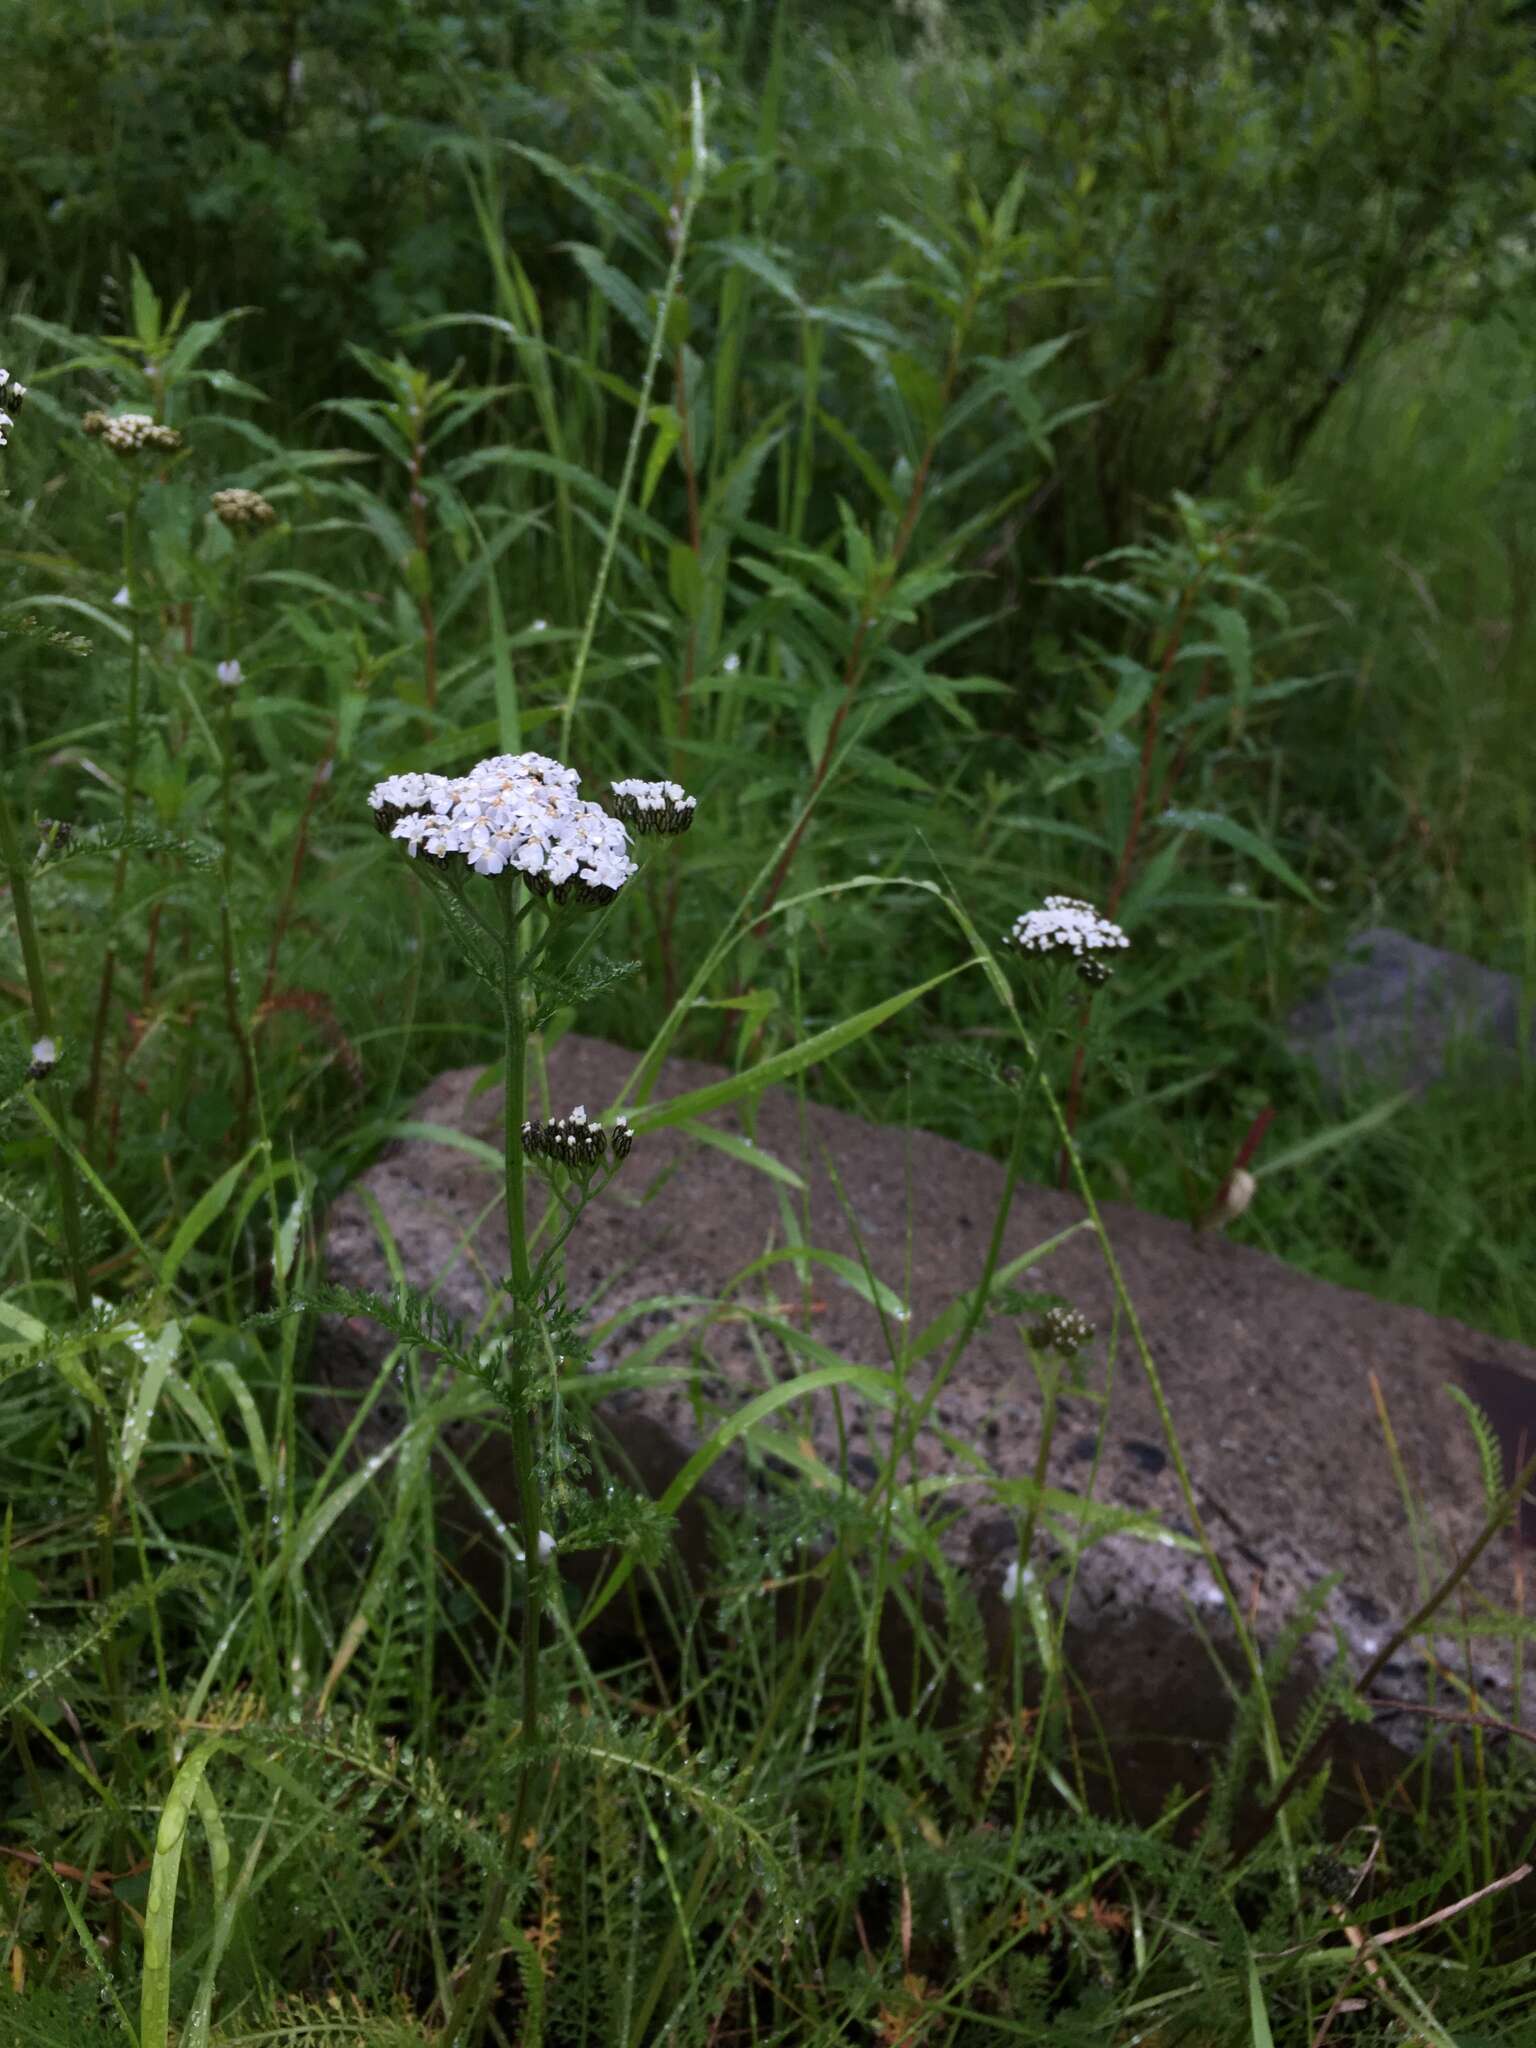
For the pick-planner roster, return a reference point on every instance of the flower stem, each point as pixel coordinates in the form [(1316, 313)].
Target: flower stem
[(237, 1029), (120, 871), (464, 2018)]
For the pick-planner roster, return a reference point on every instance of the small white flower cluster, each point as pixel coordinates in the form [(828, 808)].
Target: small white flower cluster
[(512, 813), (11, 396), (654, 806), (45, 1057), (1069, 925), (1065, 1330), (237, 507), (230, 674), (573, 1142), (125, 433)]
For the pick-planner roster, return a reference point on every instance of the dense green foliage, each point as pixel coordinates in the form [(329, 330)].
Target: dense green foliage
[(982, 452)]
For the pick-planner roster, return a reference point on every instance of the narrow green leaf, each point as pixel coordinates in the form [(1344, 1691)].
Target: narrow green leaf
[(862, 1378), (205, 1211), (159, 1355), (700, 1101), (1216, 826), (250, 1416), (1336, 1134), (744, 1150), (160, 1913), (1258, 2016)]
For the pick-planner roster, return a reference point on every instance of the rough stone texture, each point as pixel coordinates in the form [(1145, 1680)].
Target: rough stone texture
[(1392, 1010), (1268, 1373)]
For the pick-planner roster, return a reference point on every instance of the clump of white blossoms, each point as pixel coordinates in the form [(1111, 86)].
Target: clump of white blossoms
[(11, 396), (230, 674), (241, 508), (1065, 1330), (127, 433), (575, 1143), (654, 806), (1068, 925), (516, 814)]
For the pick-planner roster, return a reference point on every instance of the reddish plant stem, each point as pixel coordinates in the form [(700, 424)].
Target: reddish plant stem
[(1245, 1152), (1150, 728), (317, 783), (853, 667), (1181, 755), (133, 1031), (1128, 851)]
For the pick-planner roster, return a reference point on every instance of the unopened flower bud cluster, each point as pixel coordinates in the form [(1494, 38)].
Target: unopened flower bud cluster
[(1069, 926), (11, 397), (1064, 1330), (654, 807), (573, 1142), (513, 813), (242, 508), (127, 433)]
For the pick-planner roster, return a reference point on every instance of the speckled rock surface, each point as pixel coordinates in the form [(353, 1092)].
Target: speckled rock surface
[(1395, 1013), (1271, 1376)]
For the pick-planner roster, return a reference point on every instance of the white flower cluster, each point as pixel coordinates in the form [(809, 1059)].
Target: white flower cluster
[(1066, 925), (515, 813), (238, 507), (125, 433), (11, 395), (654, 806)]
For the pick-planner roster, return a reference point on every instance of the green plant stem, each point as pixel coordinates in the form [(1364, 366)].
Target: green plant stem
[(921, 1410), (697, 166), (1506, 1505), (120, 870), (237, 1030), (74, 1242), (464, 2018), (42, 1014)]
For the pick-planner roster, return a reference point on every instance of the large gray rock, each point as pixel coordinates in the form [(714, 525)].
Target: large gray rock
[(1273, 1380), (1394, 1013)]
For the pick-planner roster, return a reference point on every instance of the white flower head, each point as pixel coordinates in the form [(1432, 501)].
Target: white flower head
[(731, 663), (540, 626), (127, 433), (230, 674), (654, 807), (517, 813), (1066, 925), (122, 598), (11, 396), (45, 1057)]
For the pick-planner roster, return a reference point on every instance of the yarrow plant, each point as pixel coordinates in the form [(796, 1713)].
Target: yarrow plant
[(517, 814), (129, 433), (511, 835), (1069, 925), (237, 508)]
